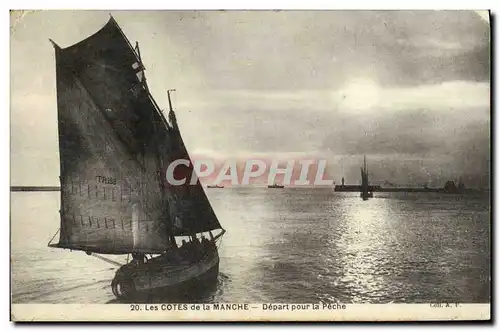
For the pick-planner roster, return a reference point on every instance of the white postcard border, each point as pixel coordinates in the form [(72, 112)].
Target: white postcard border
[(219, 312)]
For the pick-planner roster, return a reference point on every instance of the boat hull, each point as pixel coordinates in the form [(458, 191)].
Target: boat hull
[(159, 278), (366, 196)]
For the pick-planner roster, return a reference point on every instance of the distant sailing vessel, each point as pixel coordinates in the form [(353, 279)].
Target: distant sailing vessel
[(275, 186), (115, 145), (366, 192), (215, 186)]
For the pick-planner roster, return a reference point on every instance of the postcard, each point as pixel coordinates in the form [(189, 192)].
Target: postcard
[(285, 165)]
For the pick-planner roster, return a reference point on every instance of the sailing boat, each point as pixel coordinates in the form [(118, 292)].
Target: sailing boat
[(115, 145), (275, 185), (215, 186), (365, 189)]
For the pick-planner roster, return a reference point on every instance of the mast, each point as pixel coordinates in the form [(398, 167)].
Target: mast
[(159, 156), (56, 50), (171, 113), (192, 208), (137, 55), (366, 173), (169, 99), (191, 205), (190, 202), (364, 177)]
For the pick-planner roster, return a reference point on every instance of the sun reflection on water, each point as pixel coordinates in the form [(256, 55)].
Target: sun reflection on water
[(366, 239)]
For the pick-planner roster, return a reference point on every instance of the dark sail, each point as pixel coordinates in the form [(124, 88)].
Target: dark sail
[(364, 178), (115, 145), (109, 68), (190, 207), (109, 133)]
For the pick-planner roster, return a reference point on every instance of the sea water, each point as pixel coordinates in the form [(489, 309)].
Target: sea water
[(289, 245)]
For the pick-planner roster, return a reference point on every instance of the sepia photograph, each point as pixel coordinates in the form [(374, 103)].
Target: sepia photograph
[(251, 165)]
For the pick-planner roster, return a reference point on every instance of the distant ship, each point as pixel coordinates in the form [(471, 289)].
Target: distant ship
[(275, 186), (215, 186), (367, 190), (366, 193)]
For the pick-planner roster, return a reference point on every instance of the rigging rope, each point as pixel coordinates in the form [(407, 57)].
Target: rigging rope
[(107, 260), (54, 236)]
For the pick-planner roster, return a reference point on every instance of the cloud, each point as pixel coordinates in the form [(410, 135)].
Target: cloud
[(406, 125), (397, 85), (357, 94), (460, 95)]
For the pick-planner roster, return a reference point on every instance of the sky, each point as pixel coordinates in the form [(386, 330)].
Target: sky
[(408, 89)]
